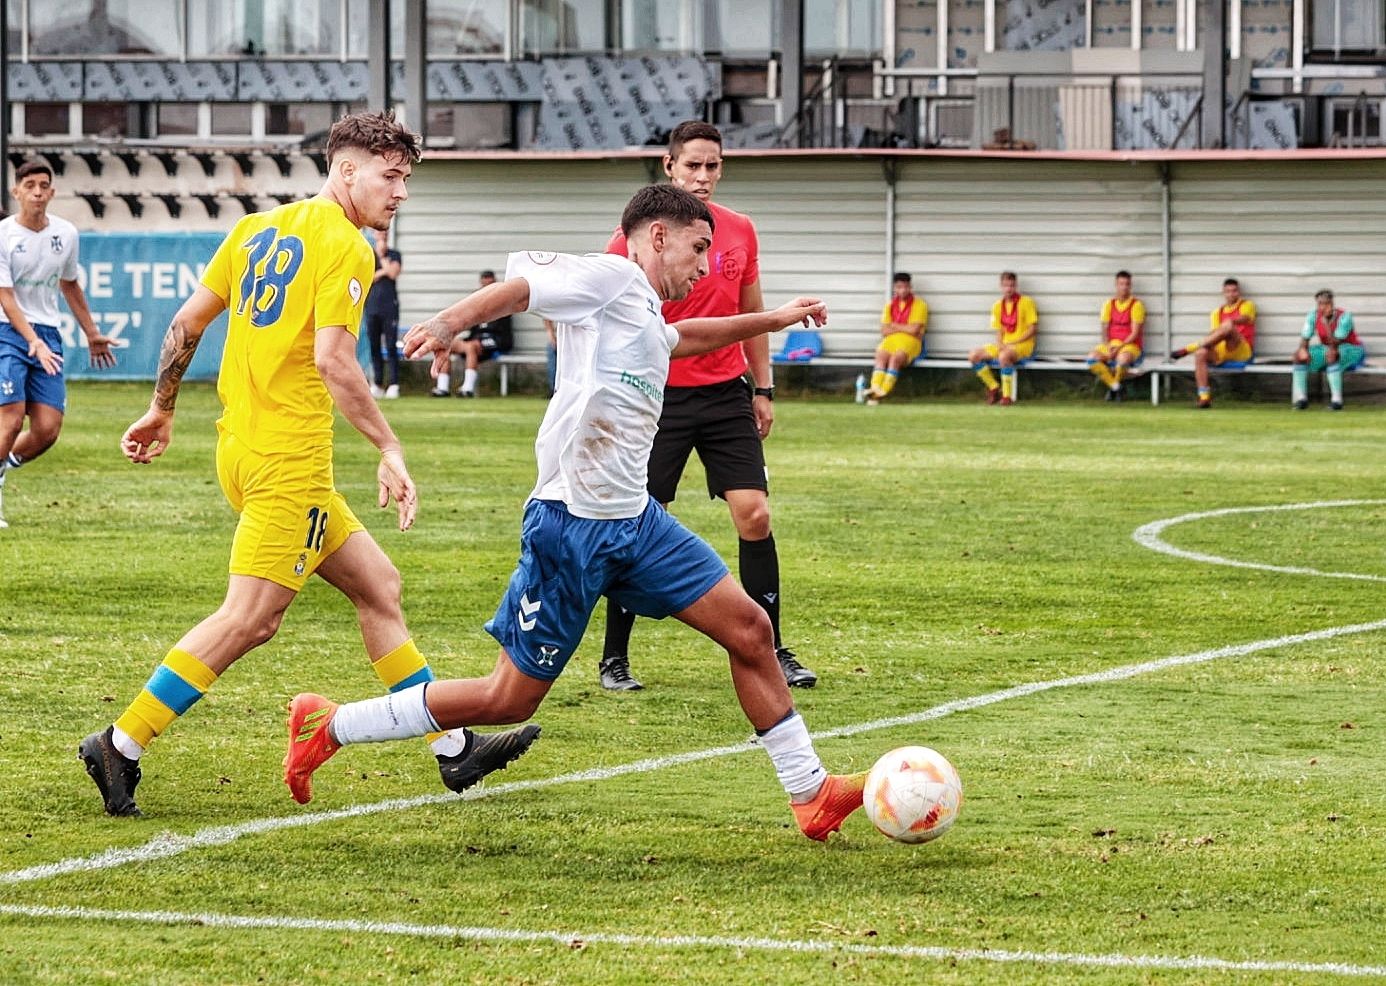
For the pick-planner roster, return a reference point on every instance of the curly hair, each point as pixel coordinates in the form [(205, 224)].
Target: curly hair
[(378, 134)]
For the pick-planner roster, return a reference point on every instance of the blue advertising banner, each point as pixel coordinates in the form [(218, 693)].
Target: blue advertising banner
[(134, 283)]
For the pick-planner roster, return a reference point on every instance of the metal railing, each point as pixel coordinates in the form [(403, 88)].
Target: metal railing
[(1077, 111)]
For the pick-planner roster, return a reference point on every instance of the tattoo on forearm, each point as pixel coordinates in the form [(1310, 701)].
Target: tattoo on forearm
[(177, 352)]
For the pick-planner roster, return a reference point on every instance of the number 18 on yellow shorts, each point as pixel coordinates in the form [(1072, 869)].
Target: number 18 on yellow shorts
[(291, 518)]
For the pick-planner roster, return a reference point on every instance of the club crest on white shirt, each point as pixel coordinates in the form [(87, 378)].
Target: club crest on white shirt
[(542, 257)]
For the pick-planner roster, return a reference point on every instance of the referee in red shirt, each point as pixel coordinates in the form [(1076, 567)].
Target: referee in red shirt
[(709, 405)]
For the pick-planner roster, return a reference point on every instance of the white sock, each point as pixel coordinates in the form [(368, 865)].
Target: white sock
[(791, 751), (469, 381), (398, 715), (453, 743), (444, 381), (128, 748)]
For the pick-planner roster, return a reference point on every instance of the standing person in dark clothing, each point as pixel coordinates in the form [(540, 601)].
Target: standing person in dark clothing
[(382, 317)]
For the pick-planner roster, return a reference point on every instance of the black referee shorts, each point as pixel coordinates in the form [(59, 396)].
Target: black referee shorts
[(716, 420)]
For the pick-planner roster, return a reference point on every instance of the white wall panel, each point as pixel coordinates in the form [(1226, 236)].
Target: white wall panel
[(1284, 227)]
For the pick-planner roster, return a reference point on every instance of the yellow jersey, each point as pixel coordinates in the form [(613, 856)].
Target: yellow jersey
[(284, 274), (1015, 319), (912, 311)]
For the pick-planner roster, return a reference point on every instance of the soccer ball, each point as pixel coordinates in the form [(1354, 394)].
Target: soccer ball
[(913, 794)]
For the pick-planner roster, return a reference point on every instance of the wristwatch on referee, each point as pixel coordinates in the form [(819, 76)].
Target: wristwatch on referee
[(767, 392)]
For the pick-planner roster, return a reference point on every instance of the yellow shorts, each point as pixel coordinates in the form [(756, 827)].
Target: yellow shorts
[(1111, 349), (1023, 350), (902, 342), (1238, 353), (291, 517)]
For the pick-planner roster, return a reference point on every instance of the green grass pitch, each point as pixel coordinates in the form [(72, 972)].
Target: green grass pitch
[(1229, 810)]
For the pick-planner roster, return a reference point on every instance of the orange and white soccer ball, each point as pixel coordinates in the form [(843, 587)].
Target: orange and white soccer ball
[(913, 794)]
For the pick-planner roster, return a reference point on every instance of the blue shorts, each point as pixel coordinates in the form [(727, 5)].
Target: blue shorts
[(651, 565), (22, 378)]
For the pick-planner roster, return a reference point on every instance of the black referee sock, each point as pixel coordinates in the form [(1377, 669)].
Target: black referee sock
[(619, 623), (760, 576)]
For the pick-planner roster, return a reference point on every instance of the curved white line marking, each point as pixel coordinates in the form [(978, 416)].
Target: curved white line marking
[(168, 844), (1148, 536), (566, 938)]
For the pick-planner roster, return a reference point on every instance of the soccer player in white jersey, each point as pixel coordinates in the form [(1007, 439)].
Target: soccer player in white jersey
[(590, 527), (38, 259)]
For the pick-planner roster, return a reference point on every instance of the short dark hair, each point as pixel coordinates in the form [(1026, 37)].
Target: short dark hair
[(32, 167), (1124, 273), (667, 202), (1324, 295), (1009, 275), (692, 130), (1231, 282), (487, 273), (378, 134), (900, 276)]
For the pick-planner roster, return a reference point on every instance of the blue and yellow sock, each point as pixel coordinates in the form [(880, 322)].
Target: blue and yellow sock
[(404, 667), (888, 380), (172, 689), (1099, 369), (987, 377), (1008, 382)]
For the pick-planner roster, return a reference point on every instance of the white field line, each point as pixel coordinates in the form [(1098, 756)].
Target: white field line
[(1148, 536), (570, 938), (168, 844)]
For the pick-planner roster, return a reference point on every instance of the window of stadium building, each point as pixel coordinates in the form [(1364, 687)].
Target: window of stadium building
[(277, 28), (456, 28), (1059, 26), (662, 25), (560, 26), (89, 28), (832, 28), (842, 27), (298, 118), (1354, 26)]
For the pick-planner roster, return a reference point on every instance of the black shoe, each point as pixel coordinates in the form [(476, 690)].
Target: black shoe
[(485, 755), (435, 392), (795, 674), (466, 393), (115, 774), (1118, 395), (1301, 404), (1110, 395), (616, 676), (1335, 405)]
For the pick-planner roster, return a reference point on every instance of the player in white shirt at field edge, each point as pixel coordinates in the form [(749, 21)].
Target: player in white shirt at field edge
[(38, 259), (590, 527)]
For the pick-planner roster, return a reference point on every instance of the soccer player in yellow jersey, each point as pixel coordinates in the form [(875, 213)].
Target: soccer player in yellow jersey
[(1123, 328), (1015, 321), (903, 321), (294, 280), (1231, 342)]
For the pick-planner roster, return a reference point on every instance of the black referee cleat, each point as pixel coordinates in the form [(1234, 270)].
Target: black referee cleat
[(114, 773), (615, 674), (795, 674), (485, 754)]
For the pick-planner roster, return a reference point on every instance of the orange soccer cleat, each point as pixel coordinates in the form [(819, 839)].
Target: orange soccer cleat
[(310, 743), (839, 796)]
